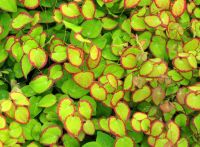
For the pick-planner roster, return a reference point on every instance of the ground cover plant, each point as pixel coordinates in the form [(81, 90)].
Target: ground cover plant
[(100, 73)]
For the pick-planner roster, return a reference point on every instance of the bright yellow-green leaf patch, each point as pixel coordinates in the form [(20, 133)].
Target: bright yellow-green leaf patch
[(109, 23), (124, 141), (65, 108), (19, 99), (173, 129), (116, 126), (183, 142), (15, 130), (129, 61), (21, 20), (163, 4), (141, 94), (146, 68), (55, 72), (38, 57), (26, 65), (40, 83), (75, 55), (178, 8), (122, 110), (136, 125), (85, 109), (152, 21), (157, 128), (70, 10), (50, 135), (117, 96), (192, 100), (88, 9), (88, 127), (131, 3), (47, 101), (103, 124), (2, 122), (31, 4), (84, 79), (59, 53), (71, 68), (5, 105), (73, 125), (17, 51), (22, 115), (112, 80), (98, 92)]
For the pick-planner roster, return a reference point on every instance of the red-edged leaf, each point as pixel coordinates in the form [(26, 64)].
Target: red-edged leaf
[(178, 8)]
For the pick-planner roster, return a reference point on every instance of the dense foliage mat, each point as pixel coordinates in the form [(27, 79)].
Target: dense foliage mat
[(100, 73)]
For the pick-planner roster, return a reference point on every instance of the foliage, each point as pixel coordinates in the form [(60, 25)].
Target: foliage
[(99, 73)]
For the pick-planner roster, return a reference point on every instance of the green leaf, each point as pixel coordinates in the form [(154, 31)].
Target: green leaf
[(117, 126), (108, 23), (22, 115), (192, 100), (55, 72), (71, 88), (40, 83), (84, 79), (36, 53), (50, 135), (2, 122), (105, 139), (19, 99), (97, 92), (5, 21), (26, 66), (124, 141), (21, 20), (70, 141), (141, 94), (8, 5), (88, 9), (73, 125), (91, 28), (47, 101), (59, 53), (70, 10), (92, 144), (85, 109), (31, 4)]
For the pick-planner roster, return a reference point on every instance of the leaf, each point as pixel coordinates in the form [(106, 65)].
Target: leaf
[(59, 53), (31, 4), (88, 9), (71, 88), (29, 44), (103, 124), (70, 141), (104, 139), (47, 101), (21, 20), (163, 4), (192, 101), (65, 108), (2, 122), (114, 69), (117, 126), (55, 72), (75, 55), (5, 21), (91, 28), (157, 128), (141, 94), (85, 109), (73, 125), (178, 8), (84, 79), (131, 3), (137, 23), (40, 83), (152, 21), (8, 5), (71, 68), (108, 23), (88, 127), (26, 66), (173, 129), (124, 141), (92, 144), (19, 99), (15, 130), (17, 51), (50, 135), (129, 61), (70, 10), (122, 110), (22, 115), (35, 54), (97, 92), (196, 121), (117, 96)]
